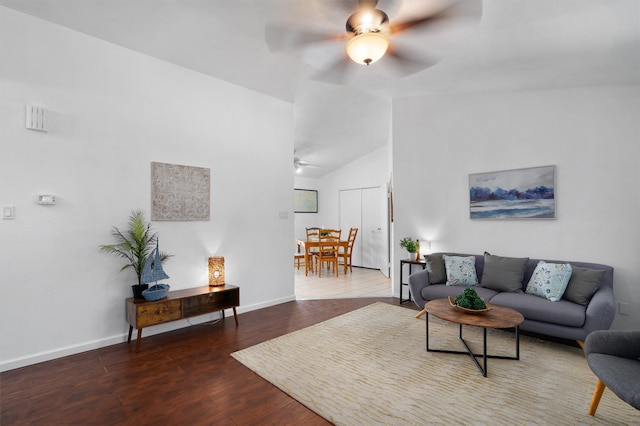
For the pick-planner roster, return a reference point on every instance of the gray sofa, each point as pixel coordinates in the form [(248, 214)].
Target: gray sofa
[(564, 319)]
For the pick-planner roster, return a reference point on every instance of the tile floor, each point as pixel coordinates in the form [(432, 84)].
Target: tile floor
[(362, 282)]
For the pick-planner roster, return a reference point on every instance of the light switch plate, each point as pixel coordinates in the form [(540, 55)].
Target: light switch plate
[(623, 308), (8, 212)]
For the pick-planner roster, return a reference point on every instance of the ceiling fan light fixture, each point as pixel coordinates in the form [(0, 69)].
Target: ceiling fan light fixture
[(367, 20), (368, 47)]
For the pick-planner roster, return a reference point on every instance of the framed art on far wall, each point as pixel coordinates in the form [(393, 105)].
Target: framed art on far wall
[(513, 194), (305, 201)]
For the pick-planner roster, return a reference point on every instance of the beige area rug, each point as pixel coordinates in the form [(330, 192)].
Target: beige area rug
[(370, 367)]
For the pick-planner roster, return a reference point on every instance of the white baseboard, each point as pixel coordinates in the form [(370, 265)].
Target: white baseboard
[(60, 352), (113, 340)]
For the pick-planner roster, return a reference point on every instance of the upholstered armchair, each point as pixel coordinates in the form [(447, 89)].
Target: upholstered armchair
[(614, 357)]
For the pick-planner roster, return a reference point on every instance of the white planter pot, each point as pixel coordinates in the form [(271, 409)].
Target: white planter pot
[(413, 256)]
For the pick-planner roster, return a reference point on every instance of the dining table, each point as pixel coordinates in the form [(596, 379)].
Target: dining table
[(308, 245)]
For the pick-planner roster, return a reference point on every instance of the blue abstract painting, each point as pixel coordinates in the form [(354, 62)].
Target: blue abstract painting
[(513, 194)]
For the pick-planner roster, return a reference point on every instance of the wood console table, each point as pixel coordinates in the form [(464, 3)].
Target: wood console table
[(181, 304)]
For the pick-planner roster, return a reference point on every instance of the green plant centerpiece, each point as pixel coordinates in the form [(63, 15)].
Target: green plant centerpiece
[(469, 299), (134, 245), (409, 244)]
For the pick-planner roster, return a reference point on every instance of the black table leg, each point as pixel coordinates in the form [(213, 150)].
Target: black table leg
[(474, 356)]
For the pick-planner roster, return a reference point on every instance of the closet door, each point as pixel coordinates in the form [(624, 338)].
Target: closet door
[(350, 217), (374, 240), (366, 209)]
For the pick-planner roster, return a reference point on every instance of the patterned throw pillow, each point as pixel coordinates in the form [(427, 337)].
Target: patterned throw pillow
[(549, 280), (460, 270)]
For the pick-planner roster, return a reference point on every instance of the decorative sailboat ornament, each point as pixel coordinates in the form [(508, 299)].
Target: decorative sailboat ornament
[(152, 272)]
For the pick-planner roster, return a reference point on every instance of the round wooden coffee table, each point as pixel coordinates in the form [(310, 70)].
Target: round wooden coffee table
[(497, 317)]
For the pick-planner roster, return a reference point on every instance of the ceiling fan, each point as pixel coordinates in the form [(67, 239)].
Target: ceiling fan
[(370, 35), (299, 164)]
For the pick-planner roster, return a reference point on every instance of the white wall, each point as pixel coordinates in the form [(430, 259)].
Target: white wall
[(113, 112), (592, 135)]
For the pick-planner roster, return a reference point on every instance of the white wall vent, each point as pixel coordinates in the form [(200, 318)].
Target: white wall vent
[(36, 118)]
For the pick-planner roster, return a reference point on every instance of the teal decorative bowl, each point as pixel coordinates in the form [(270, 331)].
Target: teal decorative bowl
[(156, 292)]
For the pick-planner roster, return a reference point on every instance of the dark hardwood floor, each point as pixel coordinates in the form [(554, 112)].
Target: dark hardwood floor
[(183, 377)]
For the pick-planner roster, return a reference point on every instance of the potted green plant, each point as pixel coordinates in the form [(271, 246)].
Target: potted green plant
[(411, 246), (134, 245)]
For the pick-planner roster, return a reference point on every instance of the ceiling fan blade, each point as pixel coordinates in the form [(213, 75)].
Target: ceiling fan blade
[(336, 73), (462, 9), (305, 164), (409, 61), (284, 38), (301, 163)]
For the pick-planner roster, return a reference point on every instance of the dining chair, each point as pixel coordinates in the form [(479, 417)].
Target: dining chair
[(351, 241), (333, 233), (299, 254), (312, 235), (328, 251)]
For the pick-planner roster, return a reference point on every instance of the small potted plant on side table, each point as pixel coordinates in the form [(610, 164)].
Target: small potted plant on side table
[(134, 246), (411, 246)]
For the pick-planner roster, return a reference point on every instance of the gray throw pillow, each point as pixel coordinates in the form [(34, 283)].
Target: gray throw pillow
[(503, 273), (437, 271), (583, 284)]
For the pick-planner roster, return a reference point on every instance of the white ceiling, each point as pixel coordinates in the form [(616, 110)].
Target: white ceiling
[(510, 45)]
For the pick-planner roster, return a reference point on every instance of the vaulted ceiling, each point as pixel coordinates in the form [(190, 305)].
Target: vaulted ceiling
[(501, 45)]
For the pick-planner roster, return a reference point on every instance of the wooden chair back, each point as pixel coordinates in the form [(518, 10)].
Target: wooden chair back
[(353, 232), (312, 234), (328, 251), (334, 233)]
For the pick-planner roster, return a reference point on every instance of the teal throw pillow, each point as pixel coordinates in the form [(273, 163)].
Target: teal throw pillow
[(549, 280), (461, 270)]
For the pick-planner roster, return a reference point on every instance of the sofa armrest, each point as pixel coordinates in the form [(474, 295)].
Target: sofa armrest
[(418, 281), (601, 310)]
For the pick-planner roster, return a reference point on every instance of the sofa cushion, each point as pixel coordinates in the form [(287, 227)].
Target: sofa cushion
[(503, 273), (540, 309), (442, 291), (549, 280), (583, 284), (461, 270), (437, 271)]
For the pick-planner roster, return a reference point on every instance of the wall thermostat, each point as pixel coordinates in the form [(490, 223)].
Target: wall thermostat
[(46, 200)]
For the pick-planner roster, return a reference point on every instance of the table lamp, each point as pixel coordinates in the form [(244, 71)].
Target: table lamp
[(216, 271)]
